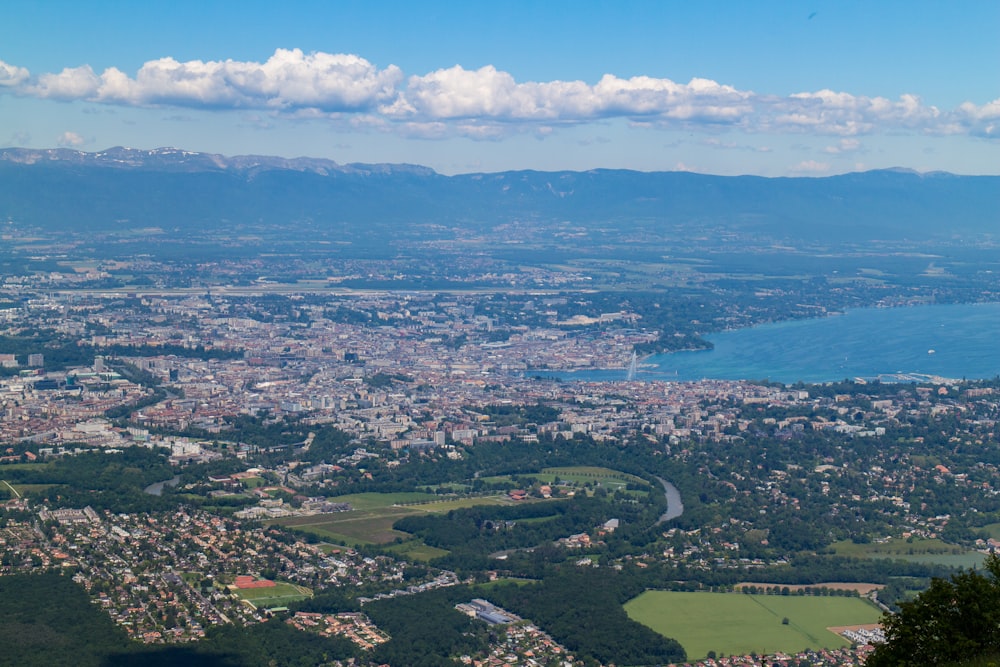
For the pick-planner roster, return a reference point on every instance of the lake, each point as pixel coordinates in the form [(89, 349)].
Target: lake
[(952, 341)]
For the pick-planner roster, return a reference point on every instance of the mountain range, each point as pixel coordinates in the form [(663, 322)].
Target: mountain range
[(180, 190)]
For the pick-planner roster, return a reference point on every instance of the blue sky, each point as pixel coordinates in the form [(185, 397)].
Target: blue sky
[(769, 88)]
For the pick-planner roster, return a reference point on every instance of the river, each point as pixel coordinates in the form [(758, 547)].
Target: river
[(674, 505), (156, 489)]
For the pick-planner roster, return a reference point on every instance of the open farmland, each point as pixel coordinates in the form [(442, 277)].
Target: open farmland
[(371, 520), (416, 550), (920, 550), (353, 527), (733, 624)]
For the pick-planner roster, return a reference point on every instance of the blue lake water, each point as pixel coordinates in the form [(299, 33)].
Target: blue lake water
[(953, 341)]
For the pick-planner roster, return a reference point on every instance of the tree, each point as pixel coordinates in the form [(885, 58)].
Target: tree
[(952, 620)]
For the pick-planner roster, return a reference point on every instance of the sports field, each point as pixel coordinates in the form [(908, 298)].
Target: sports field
[(606, 477), (737, 624), (280, 595)]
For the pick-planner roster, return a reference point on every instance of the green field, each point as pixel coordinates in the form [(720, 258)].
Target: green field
[(967, 560), (280, 595), (24, 466), (417, 550), (919, 550), (606, 478), (370, 522), (5, 486), (612, 480), (734, 623), (448, 487), (352, 528), (23, 489), (993, 529), (367, 501), (582, 474)]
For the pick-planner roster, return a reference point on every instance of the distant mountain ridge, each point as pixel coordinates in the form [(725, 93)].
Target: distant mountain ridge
[(176, 189), (174, 159)]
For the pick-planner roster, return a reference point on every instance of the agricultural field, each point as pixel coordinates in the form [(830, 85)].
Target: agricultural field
[(416, 550), (966, 560), (371, 520), (279, 595), (373, 526), (734, 623), (919, 550)]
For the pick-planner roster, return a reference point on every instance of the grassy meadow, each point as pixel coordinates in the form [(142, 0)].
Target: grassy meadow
[(916, 549), (370, 522), (734, 623)]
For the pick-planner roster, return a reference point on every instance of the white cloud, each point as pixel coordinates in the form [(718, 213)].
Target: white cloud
[(810, 167), (488, 103), (844, 146), (734, 146), (71, 140), (988, 111), (288, 80), (831, 113), (980, 120), (698, 100), (70, 84), (12, 76), (457, 93), (487, 93)]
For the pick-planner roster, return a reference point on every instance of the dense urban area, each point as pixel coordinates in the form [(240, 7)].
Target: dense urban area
[(387, 475), (368, 415)]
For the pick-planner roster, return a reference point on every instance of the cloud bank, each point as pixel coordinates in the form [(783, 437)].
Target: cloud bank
[(288, 80), (486, 103)]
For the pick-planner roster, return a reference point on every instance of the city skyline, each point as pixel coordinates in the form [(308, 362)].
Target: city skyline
[(784, 89)]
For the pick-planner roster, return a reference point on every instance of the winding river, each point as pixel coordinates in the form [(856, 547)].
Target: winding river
[(156, 489), (674, 505)]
